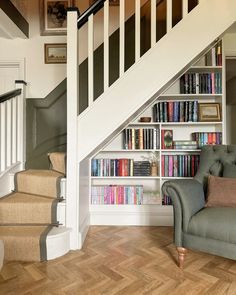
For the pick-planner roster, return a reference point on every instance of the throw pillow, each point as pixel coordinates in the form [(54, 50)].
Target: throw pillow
[(221, 192), (229, 171)]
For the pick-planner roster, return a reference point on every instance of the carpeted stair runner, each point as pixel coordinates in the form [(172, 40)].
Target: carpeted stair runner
[(28, 214)]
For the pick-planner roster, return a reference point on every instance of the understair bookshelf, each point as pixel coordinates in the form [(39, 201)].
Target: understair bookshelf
[(125, 190)]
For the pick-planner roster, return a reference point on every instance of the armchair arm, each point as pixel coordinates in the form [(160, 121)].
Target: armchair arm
[(188, 198)]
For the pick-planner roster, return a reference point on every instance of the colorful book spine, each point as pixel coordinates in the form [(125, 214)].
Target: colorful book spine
[(179, 165), (117, 195)]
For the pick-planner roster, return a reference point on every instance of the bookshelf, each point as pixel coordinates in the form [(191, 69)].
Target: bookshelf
[(179, 161)]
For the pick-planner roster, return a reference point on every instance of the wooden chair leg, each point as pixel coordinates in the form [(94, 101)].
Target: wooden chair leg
[(181, 255)]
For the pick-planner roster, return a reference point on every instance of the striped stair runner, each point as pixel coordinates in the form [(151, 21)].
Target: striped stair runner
[(29, 213)]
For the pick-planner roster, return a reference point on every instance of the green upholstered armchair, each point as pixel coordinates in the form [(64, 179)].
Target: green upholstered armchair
[(211, 230)]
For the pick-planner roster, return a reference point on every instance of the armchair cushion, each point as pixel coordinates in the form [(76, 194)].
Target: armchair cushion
[(214, 223), (221, 192), (229, 170)]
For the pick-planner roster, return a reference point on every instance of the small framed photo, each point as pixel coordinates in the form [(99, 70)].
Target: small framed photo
[(111, 2), (166, 139), (55, 53), (209, 112), (53, 16)]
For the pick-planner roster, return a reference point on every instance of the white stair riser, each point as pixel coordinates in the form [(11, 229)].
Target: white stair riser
[(61, 213), (62, 185), (58, 242)]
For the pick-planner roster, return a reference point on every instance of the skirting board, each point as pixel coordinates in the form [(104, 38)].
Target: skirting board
[(84, 230), (155, 217)]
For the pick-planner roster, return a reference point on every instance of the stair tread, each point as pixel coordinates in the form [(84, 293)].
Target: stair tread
[(18, 197), (21, 230)]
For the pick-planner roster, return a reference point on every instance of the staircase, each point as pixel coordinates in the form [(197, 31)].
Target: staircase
[(136, 88), (29, 224)]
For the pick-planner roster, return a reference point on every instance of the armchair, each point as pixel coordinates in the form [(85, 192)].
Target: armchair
[(211, 230)]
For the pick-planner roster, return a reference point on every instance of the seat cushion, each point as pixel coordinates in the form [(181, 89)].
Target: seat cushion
[(214, 223)]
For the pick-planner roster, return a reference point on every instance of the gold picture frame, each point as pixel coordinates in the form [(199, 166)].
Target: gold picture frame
[(209, 112), (55, 53), (111, 2), (53, 16)]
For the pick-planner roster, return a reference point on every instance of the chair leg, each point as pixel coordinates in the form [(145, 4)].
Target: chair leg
[(181, 255)]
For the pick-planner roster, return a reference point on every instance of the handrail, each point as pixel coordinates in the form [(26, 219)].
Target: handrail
[(10, 94), (91, 10)]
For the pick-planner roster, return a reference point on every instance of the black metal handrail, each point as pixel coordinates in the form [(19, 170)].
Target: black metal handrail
[(10, 94), (93, 9)]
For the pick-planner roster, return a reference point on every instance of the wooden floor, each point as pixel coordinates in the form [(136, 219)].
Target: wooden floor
[(122, 260)]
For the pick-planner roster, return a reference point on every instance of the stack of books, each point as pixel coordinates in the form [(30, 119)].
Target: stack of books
[(117, 195), (201, 83), (142, 168), (176, 111), (112, 167), (141, 139), (203, 138), (166, 200), (179, 165), (185, 145)]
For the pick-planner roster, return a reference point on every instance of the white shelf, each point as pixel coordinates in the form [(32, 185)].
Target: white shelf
[(189, 96), (144, 124), (205, 68), (137, 208), (125, 177), (180, 151), (123, 150), (172, 177), (190, 123)]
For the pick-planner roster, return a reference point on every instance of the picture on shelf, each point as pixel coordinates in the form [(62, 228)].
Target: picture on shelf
[(209, 112), (167, 139)]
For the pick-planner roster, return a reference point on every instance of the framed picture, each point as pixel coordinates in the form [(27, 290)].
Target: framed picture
[(111, 2), (53, 16), (166, 139), (55, 53), (209, 112)]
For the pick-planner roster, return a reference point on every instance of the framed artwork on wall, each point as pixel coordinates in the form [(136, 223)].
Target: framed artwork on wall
[(55, 53), (111, 2), (209, 112), (53, 16)]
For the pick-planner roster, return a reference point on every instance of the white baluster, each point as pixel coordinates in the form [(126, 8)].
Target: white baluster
[(9, 133), (184, 8), (137, 30), (3, 135), (14, 131), (169, 15), (106, 45), (153, 22), (19, 127), (122, 37), (90, 60)]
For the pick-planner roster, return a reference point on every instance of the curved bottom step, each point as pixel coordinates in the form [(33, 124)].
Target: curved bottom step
[(58, 242)]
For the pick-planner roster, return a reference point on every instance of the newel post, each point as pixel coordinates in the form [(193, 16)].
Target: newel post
[(72, 173)]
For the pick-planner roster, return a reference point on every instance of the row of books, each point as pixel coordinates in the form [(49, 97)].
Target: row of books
[(203, 138), (117, 195), (201, 83), (141, 138), (214, 56), (166, 200), (119, 167), (179, 165), (176, 111)]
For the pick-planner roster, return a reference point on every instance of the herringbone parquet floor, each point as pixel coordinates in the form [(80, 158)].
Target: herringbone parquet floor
[(122, 260)]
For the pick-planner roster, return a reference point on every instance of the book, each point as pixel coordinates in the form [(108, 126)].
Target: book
[(167, 139)]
